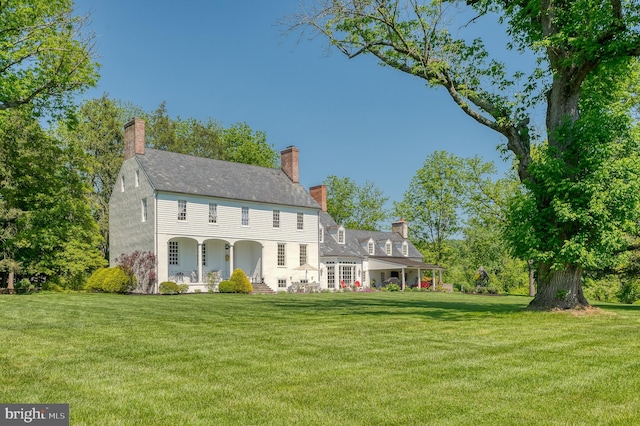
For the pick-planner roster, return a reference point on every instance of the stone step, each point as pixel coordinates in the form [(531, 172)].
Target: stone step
[(261, 288)]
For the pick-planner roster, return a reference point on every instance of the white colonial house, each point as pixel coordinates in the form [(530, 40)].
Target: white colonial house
[(204, 218)]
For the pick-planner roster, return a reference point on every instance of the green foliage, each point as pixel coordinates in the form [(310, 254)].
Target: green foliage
[(629, 291), (169, 287), (209, 139), (227, 286), (602, 289), (45, 203), (98, 134), (353, 206), (109, 280), (24, 286), (241, 282), (45, 60), (391, 287), (433, 202)]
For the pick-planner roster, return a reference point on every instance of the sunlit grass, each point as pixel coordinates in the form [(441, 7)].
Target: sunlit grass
[(324, 359)]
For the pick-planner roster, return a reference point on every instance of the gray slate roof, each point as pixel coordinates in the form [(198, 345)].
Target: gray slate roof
[(356, 242), (187, 174)]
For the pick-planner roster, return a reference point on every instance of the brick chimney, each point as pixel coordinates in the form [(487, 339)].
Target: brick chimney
[(133, 138), (319, 193), (401, 227), (289, 163)]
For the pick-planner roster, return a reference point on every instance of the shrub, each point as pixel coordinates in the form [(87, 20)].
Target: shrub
[(24, 286), (183, 288), (94, 283), (629, 291), (241, 282), (140, 268), (109, 280), (226, 286), (117, 281), (392, 287), (169, 287)]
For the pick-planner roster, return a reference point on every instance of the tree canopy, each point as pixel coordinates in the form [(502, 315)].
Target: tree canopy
[(354, 206), (45, 55)]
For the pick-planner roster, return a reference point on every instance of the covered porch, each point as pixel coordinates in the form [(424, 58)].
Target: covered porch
[(193, 262), (408, 272)]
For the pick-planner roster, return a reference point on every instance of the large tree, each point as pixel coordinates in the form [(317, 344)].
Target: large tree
[(44, 203), (572, 40), (433, 204), (354, 206), (45, 55)]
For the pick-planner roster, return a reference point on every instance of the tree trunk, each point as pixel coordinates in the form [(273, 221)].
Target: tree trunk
[(532, 280), (559, 289), (10, 288)]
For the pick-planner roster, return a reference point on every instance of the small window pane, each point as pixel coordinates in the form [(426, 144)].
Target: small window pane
[(213, 213), (300, 221), (173, 253), (182, 210)]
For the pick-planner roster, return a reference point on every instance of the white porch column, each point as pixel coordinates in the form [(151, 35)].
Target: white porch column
[(403, 280), (231, 267), (419, 279), (200, 263), (433, 280)]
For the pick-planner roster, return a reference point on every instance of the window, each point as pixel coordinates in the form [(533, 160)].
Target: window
[(371, 247), (144, 209), (405, 249), (204, 255), (245, 216), (213, 213), (341, 236), (387, 248), (300, 221), (346, 274), (173, 253), (121, 183), (137, 178), (182, 210), (321, 234), (331, 276), (281, 254), (282, 283), (303, 254), (276, 218)]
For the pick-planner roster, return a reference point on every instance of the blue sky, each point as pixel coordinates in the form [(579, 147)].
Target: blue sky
[(227, 60)]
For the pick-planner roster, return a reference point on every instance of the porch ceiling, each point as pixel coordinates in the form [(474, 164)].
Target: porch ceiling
[(376, 263)]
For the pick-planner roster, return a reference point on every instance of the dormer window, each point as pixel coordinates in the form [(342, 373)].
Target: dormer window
[(405, 249), (371, 247), (341, 236), (387, 248)]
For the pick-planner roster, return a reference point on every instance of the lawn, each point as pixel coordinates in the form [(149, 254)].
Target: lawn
[(319, 359)]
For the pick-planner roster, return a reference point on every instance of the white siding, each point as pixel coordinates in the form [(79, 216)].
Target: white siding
[(127, 231)]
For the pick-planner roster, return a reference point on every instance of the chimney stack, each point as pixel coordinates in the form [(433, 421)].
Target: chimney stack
[(289, 163), (401, 227), (319, 193), (133, 138)]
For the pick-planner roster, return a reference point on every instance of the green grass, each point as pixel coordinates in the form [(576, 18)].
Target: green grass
[(319, 359)]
